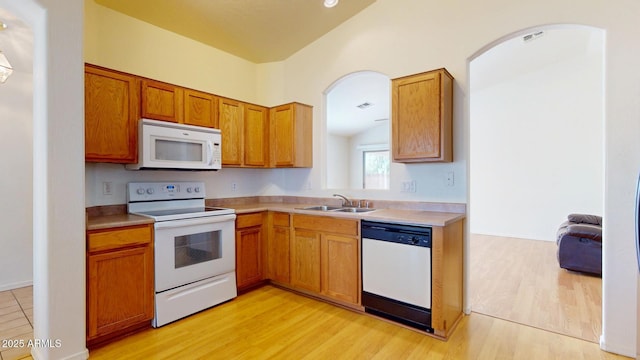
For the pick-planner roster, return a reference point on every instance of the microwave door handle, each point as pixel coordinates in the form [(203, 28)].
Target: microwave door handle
[(209, 152)]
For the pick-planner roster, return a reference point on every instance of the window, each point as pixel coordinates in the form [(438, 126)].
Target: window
[(375, 169)]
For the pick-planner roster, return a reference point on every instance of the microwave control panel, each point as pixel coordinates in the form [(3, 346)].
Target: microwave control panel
[(216, 155)]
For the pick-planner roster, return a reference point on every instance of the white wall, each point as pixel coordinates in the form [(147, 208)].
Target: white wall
[(58, 209), (337, 155), (375, 138), (401, 37), (536, 136), (16, 156)]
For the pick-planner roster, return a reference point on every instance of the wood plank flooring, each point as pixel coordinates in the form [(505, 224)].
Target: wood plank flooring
[(271, 323), (515, 280), (16, 322), (519, 280)]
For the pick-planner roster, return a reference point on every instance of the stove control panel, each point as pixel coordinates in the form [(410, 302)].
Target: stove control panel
[(151, 191)]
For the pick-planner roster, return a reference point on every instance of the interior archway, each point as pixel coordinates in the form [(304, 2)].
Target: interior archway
[(536, 119), (357, 125)]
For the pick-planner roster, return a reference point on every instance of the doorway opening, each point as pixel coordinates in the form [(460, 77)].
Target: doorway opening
[(536, 155), (357, 132)]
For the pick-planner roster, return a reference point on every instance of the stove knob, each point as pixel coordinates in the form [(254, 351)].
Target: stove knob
[(197, 189), (189, 189), (150, 191), (140, 191)]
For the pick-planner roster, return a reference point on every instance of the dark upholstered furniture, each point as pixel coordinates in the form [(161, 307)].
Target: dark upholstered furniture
[(580, 244)]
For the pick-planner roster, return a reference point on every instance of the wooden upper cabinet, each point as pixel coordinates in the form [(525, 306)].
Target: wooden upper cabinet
[(422, 107), (162, 101), (291, 138), (200, 109), (111, 116), (256, 135), (231, 120)]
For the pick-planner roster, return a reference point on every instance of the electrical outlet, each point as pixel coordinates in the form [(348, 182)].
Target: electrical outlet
[(234, 186), (449, 179), (409, 186), (107, 188)]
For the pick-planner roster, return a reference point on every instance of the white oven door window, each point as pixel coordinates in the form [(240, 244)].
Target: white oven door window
[(193, 249)]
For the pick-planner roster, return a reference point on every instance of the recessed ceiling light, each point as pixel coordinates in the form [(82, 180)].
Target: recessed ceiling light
[(2, 26), (330, 3)]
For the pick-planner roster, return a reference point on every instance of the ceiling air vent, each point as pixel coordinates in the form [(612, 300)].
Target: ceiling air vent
[(365, 105), (532, 36)]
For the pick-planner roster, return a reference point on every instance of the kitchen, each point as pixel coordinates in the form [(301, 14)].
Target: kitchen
[(292, 181)]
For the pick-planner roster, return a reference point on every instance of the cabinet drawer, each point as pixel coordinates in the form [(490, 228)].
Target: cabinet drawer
[(280, 219), (248, 220), (326, 224), (123, 237)]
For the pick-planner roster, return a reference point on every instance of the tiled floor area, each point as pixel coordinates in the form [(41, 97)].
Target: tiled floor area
[(16, 323)]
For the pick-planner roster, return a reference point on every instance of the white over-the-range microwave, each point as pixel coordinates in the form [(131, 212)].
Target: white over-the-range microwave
[(166, 145)]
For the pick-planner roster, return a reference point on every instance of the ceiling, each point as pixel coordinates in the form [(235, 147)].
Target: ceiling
[(344, 117), (257, 30)]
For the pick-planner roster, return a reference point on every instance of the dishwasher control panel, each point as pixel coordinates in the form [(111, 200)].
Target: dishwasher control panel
[(397, 233)]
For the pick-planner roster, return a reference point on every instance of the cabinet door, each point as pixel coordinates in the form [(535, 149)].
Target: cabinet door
[(200, 109), (305, 260), (282, 132), (111, 116), (256, 135), (161, 101), (291, 134), (231, 127), (120, 290), (278, 252), (421, 117), (248, 256), (340, 268)]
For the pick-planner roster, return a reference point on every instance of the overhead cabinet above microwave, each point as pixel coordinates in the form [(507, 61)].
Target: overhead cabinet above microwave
[(116, 101)]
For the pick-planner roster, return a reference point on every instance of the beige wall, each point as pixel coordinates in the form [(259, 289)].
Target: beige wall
[(400, 37), (123, 43)]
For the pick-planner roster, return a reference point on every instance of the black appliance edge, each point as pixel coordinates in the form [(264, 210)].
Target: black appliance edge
[(407, 314)]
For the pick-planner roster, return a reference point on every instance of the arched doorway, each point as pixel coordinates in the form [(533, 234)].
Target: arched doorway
[(536, 155)]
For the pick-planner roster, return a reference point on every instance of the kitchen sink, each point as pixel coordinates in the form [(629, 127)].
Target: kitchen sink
[(323, 208), (338, 209), (355, 210)]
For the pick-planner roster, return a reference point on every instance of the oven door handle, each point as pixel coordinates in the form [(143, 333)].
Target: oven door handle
[(195, 221)]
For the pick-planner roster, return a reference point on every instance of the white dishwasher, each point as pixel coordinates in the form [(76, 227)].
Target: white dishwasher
[(396, 272)]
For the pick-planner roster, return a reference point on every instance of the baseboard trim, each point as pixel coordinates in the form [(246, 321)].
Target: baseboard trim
[(616, 348), (40, 354), (16, 285)]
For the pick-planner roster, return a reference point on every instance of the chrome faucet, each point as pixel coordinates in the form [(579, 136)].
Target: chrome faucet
[(345, 200)]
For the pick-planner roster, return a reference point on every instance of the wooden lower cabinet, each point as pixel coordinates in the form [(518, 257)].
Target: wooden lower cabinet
[(325, 257), (339, 263), (120, 287), (278, 253), (249, 250), (446, 277), (305, 260)]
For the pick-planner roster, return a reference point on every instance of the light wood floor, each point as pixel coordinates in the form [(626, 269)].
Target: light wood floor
[(16, 321), (519, 280), (274, 323)]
